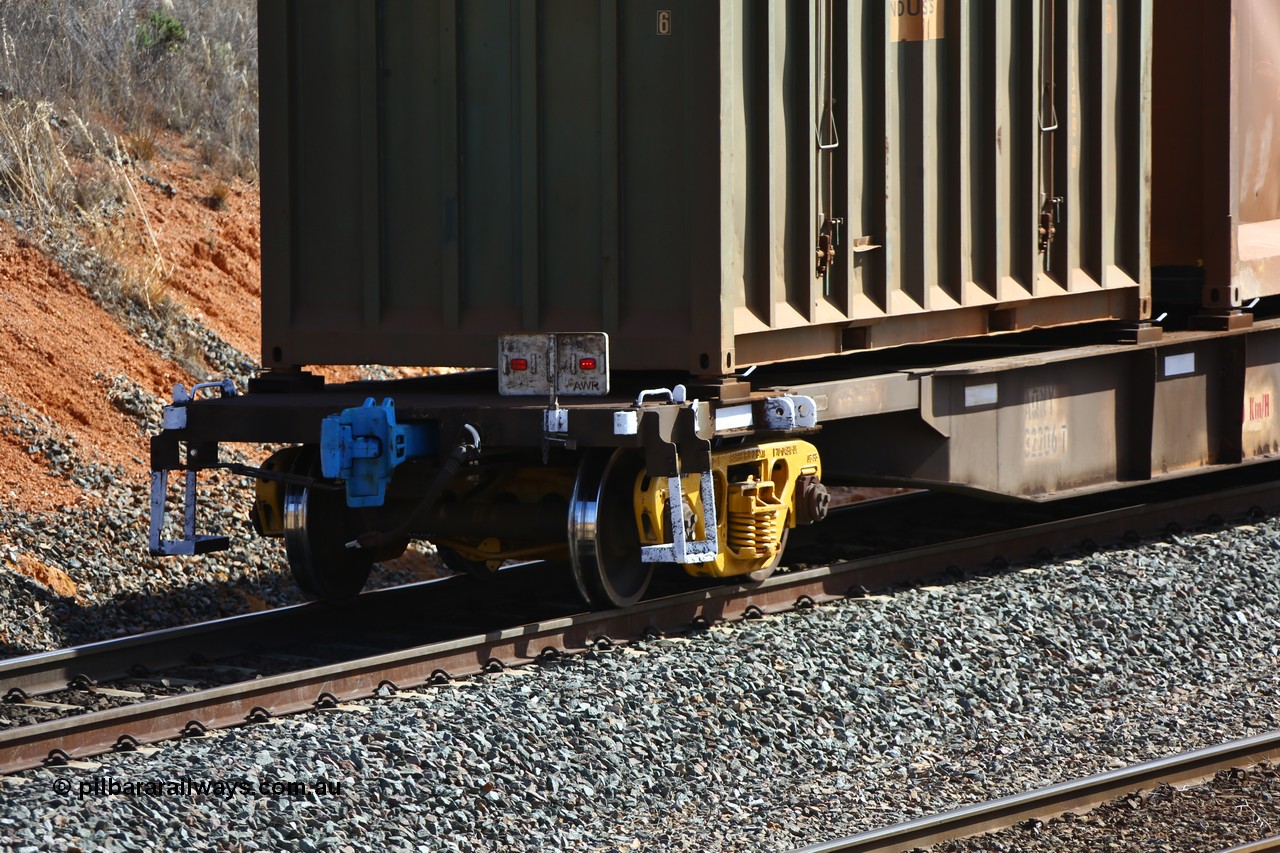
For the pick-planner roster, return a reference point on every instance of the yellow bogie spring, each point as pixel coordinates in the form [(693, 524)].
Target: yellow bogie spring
[(755, 489), (755, 521)]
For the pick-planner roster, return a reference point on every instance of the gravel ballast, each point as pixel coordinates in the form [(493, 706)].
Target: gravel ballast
[(764, 735)]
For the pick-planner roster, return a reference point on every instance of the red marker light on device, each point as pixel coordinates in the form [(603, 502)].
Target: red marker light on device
[(519, 364), (586, 364)]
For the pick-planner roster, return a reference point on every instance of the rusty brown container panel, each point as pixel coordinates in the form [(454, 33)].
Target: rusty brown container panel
[(714, 183), (1216, 156)]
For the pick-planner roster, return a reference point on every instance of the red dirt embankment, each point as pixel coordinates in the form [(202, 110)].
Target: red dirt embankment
[(207, 234), (60, 348), (55, 340)]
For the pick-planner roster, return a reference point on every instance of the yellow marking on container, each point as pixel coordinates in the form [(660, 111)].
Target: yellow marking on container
[(916, 20)]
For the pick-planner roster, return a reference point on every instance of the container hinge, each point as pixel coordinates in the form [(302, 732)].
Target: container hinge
[(828, 242), (1050, 219)]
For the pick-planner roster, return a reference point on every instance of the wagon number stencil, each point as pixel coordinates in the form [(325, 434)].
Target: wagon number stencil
[(916, 20), (1046, 428), (664, 22)]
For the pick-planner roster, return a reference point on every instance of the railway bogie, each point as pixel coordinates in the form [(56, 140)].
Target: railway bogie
[(600, 510), (761, 490)]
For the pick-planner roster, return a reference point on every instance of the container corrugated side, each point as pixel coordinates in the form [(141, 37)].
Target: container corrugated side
[(438, 173), (1217, 155)]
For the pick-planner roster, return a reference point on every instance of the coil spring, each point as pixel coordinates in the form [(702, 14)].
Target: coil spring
[(756, 532)]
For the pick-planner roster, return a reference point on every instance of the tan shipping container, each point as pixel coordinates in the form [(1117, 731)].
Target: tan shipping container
[(1216, 159)]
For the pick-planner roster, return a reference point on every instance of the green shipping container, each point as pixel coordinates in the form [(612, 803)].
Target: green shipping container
[(714, 183)]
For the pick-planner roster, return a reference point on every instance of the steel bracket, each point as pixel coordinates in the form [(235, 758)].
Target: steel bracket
[(789, 412), (191, 542), (164, 458), (681, 550), (685, 451), (175, 416)]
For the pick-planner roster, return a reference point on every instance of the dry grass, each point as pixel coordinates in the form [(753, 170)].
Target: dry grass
[(52, 163), (184, 65), (218, 194), (86, 87), (141, 144), (141, 272)]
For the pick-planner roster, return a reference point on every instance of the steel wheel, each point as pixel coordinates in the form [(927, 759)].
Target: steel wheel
[(604, 546), (317, 525)]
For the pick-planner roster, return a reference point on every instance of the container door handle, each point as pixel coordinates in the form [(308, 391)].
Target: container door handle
[(828, 120), (830, 123), (1048, 34)]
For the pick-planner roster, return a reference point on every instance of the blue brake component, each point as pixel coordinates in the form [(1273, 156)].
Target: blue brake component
[(365, 445)]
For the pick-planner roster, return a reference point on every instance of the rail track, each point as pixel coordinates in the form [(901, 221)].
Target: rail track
[(169, 684), (1264, 845), (1054, 800)]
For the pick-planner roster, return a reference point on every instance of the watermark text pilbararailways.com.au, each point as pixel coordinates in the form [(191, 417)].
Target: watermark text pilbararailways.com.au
[(111, 786)]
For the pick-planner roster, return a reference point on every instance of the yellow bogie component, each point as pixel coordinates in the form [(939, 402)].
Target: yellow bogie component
[(512, 488), (755, 521), (268, 504), (526, 485), (755, 489), (493, 551)]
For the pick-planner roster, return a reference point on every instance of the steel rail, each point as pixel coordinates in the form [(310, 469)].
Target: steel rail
[(46, 672), (1055, 800), (1265, 845), (153, 652), (160, 719)]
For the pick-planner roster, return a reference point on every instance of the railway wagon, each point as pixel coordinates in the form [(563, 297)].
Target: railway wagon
[(707, 256)]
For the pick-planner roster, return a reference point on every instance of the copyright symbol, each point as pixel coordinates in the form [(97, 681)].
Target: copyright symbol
[(62, 786)]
